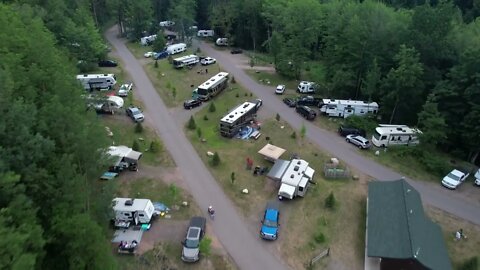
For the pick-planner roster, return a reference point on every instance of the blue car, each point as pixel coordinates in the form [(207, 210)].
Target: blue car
[(269, 229), (160, 55)]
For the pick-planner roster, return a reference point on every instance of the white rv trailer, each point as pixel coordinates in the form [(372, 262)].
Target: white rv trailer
[(305, 87), (346, 108), (221, 42), (212, 87), (205, 33), (237, 118), (166, 23), (386, 135), (97, 81), (138, 211), (295, 177), (176, 48), (147, 40), (187, 60)]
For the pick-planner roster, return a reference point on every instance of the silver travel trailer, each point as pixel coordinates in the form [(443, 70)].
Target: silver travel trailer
[(97, 81), (346, 108), (205, 33), (387, 135), (176, 48), (187, 60)]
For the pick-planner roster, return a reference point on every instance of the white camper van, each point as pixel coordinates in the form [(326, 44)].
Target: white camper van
[(346, 108), (176, 48), (97, 81), (222, 42), (147, 40), (386, 135), (305, 87), (138, 211), (205, 33)]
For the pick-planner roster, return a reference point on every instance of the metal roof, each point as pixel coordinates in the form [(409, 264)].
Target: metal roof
[(238, 112), (397, 227)]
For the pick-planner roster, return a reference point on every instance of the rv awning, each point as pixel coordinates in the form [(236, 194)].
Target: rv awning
[(124, 153), (271, 152), (134, 155), (278, 169), (309, 172)]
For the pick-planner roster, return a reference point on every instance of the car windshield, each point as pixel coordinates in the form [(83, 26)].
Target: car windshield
[(270, 223), (135, 112), (191, 243), (376, 135), (453, 176)]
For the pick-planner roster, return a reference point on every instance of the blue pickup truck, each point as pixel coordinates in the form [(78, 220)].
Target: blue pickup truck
[(270, 222)]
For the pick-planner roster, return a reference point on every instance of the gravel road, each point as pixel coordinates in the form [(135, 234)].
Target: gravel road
[(454, 202), (245, 247)]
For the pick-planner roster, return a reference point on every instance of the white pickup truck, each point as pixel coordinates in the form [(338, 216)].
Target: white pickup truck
[(454, 179), (477, 178)]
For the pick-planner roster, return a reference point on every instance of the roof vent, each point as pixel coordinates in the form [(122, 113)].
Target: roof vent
[(292, 176), (129, 202), (299, 162), (231, 116), (296, 168)]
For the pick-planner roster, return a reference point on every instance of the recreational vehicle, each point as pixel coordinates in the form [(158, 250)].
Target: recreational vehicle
[(205, 33), (97, 81), (188, 60), (346, 108), (145, 41), (176, 48), (305, 87), (222, 42), (138, 211), (166, 23), (212, 87), (295, 177), (237, 118), (386, 135)]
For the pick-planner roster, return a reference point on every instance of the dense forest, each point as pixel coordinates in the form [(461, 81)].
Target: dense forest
[(418, 60)]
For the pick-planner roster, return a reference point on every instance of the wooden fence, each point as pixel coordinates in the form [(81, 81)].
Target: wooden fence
[(322, 254)]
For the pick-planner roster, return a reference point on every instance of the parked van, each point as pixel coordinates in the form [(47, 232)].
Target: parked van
[(222, 42), (176, 48), (305, 87), (306, 112), (205, 33)]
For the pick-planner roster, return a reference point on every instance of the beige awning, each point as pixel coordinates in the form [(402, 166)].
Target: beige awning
[(271, 152)]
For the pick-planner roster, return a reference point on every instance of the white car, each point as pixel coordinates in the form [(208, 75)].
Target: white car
[(148, 54), (454, 179), (280, 89), (125, 89), (208, 61)]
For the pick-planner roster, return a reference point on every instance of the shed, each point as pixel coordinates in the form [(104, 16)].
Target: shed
[(271, 152), (399, 232)]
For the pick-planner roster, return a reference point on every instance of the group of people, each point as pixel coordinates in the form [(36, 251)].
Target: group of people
[(124, 245)]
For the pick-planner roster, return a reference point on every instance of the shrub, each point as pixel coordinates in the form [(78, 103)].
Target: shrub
[(330, 201), (319, 238), (138, 128), (156, 64), (277, 117), (433, 163), (135, 145), (363, 122), (215, 160), (155, 146), (205, 246), (294, 135), (470, 264), (205, 117), (212, 107), (191, 123), (233, 80), (199, 132), (237, 95)]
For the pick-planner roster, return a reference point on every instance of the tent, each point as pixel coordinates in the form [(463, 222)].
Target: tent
[(271, 152)]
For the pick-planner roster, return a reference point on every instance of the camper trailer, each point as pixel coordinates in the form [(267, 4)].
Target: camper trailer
[(222, 42), (295, 177), (166, 23), (346, 108), (136, 211), (188, 60), (305, 87), (205, 33), (145, 41), (176, 48), (97, 81), (387, 135)]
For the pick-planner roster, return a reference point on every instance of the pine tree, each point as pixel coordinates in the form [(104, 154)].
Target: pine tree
[(191, 123), (330, 201), (135, 145), (212, 107), (215, 160), (138, 128)]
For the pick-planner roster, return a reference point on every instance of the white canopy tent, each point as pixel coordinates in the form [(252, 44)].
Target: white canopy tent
[(271, 152)]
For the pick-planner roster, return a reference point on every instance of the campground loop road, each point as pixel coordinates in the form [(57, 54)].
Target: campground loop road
[(435, 195), (245, 247)]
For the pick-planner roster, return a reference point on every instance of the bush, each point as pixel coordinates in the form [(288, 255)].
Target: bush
[(138, 128), (199, 133), (135, 145), (156, 64), (319, 238), (205, 117), (212, 107), (294, 135), (233, 80), (277, 117), (155, 146), (205, 246), (363, 122), (470, 264), (237, 95), (330, 201), (433, 163), (191, 124), (215, 160)]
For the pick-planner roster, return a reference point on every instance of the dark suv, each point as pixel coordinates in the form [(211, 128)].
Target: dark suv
[(107, 63), (306, 112), (346, 130), (192, 103)]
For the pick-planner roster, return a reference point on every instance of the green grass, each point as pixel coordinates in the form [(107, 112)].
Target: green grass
[(124, 134)]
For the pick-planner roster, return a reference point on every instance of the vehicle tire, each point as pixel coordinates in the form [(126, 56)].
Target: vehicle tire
[(360, 147), (348, 140), (383, 145)]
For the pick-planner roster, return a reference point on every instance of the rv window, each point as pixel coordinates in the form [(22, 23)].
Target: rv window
[(108, 80), (383, 138), (300, 189), (126, 214), (392, 138), (142, 215)]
